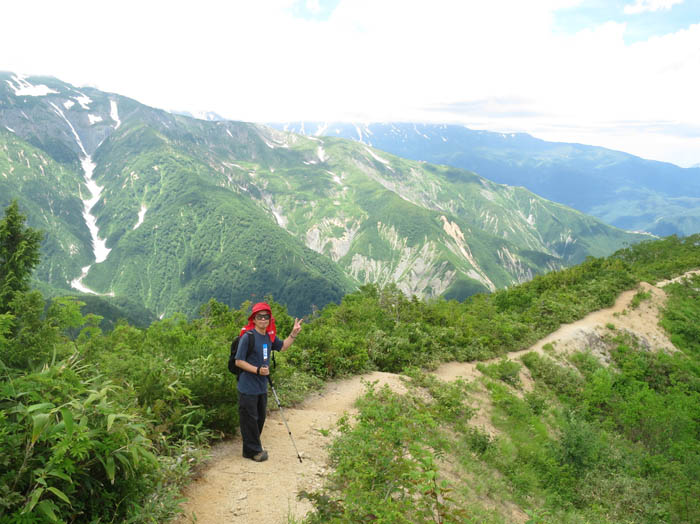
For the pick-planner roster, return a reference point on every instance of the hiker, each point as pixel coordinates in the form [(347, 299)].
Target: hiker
[(252, 382)]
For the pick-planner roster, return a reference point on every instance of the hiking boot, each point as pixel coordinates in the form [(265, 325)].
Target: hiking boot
[(260, 457)]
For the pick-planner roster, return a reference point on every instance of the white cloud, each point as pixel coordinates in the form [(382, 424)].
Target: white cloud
[(370, 60), (643, 6), (313, 6)]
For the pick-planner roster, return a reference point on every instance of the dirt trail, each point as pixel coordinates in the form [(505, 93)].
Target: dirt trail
[(235, 490)]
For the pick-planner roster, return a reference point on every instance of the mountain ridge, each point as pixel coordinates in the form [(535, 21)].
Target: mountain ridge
[(619, 188), (193, 209)]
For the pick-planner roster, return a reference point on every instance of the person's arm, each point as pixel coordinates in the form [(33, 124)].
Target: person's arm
[(243, 344), (295, 331), (247, 366)]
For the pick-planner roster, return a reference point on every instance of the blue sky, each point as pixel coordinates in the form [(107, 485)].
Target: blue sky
[(619, 74), (643, 20), (319, 10)]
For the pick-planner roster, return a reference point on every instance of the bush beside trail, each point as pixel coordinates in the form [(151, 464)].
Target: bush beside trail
[(123, 414), (587, 440)]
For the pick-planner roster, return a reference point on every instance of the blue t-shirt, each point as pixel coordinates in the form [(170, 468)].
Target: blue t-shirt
[(260, 355)]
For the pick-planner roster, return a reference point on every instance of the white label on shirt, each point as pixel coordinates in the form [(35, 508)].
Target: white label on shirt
[(265, 352)]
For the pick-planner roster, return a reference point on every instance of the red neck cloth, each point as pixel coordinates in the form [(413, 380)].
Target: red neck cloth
[(271, 329)]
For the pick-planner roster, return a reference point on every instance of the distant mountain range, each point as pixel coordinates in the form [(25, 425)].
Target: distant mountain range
[(620, 189), (167, 211)]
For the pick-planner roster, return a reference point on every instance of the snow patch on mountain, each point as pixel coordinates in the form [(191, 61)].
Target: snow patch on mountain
[(488, 195), (142, 215), (94, 119), (99, 245), (75, 133), (359, 132), (379, 159), (415, 128), (337, 179), (77, 283), (83, 100), (274, 138), (24, 88), (114, 113), (276, 210), (68, 104)]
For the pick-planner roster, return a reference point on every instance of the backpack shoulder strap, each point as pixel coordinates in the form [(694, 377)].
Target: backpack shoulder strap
[(250, 339)]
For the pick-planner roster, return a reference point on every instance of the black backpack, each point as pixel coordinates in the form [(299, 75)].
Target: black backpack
[(232, 367)]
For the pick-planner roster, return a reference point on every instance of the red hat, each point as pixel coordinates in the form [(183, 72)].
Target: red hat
[(260, 306), (271, 328)]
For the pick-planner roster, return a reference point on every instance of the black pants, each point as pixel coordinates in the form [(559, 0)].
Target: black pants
[(252, 410)]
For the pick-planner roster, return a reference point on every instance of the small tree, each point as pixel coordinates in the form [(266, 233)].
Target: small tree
[(19, 255)]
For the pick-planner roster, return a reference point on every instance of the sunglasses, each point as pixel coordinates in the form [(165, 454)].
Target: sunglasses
[(262, 317)]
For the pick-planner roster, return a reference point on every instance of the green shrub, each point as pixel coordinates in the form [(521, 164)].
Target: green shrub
[(385, 466), (71, 446), (477, 440), (585, 362), (681, 317), (506, 370), (563, 380), (537, 401), (638, 297), (579, 444)]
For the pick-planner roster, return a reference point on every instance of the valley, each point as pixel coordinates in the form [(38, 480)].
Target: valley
[(618, 188), (169, 211)]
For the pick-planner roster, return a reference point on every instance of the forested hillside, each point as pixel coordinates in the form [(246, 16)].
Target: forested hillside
[(106, 425), (163, 211)]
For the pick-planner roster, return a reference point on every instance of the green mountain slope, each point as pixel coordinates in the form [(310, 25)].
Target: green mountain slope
[(618, 188), (49, 192), (191, 209), (199, 240)]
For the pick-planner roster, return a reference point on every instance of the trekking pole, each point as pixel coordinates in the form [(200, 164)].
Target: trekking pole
[(282, 415)]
